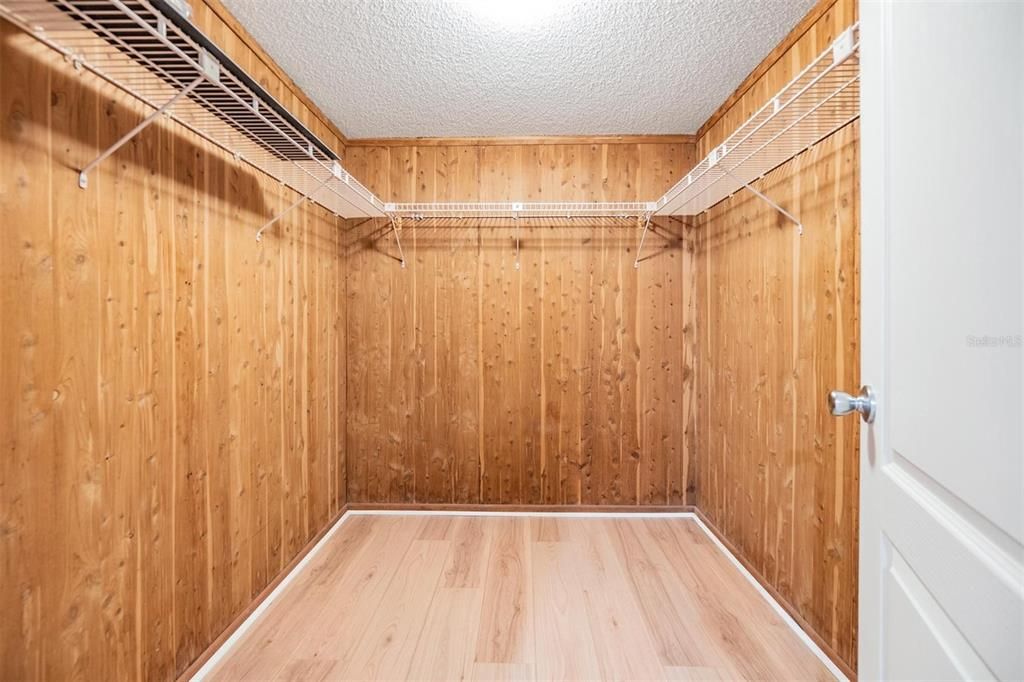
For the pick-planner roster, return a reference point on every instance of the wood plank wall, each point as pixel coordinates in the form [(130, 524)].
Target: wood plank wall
[(171, 393), (566, 382), (778, 327), (173, 396)]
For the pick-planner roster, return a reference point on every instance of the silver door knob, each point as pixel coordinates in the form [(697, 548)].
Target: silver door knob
[(841, 403)]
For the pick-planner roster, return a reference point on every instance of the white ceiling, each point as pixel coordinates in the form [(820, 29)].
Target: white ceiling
[(457, 68)]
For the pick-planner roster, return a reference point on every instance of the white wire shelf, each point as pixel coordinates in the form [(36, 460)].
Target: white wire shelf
[(824, 97), (150, 50), (501, 209)]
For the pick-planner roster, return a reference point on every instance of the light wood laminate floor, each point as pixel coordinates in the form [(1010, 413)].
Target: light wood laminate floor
[(499, 598)]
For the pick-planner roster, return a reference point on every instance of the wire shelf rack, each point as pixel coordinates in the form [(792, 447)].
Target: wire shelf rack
[(824, 97), (150, 50), (578, 209)]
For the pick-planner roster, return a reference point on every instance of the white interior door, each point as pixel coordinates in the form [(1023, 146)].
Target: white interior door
[(942, 480)]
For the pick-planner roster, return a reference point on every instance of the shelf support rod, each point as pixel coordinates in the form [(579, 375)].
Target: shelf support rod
[(291, 207), (515, 217), (396, 225), (643, 236), (762, 197), (83, 175)]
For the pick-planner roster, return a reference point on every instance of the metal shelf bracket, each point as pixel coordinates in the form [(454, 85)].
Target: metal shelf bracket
[(335, 175), (83, 175), (646, 220), (762, 197), (396, 227), (516, 208)]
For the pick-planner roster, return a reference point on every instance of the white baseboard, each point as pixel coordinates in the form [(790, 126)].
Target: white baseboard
[(783, 614), (249, 622), (487, 512)]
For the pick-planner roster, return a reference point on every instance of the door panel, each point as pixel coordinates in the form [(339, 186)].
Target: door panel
[(955, 256), (958, 564), (942, 301), (912, 611)]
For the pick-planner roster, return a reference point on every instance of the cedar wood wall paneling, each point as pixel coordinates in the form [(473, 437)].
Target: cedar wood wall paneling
[(170, 444), (566, 382), (778, 327), (171, 393)]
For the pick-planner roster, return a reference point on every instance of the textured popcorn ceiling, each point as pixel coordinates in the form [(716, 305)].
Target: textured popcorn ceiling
[(451, 68)]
